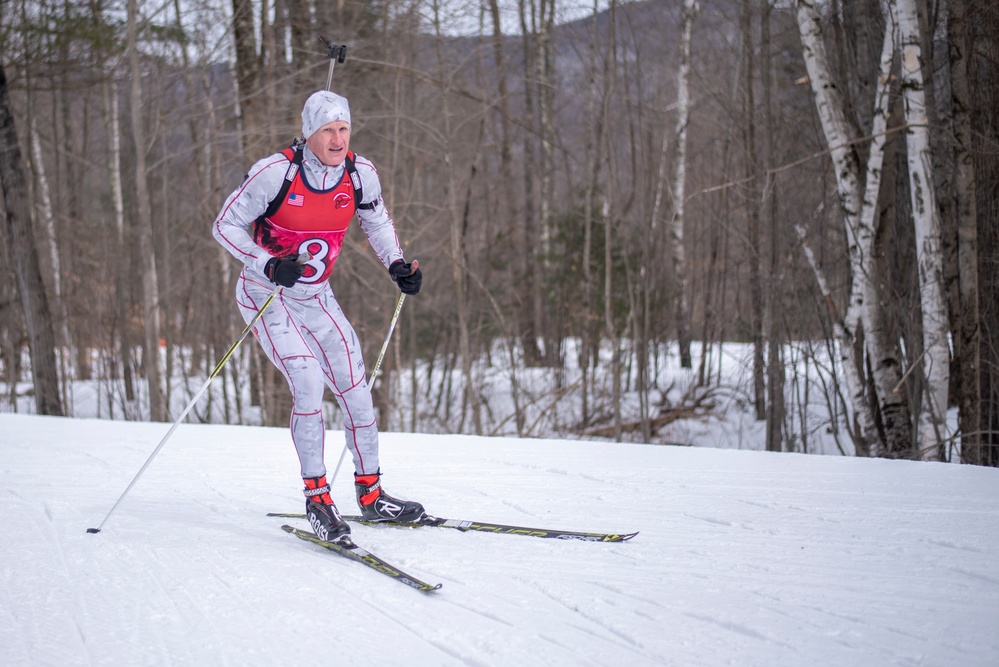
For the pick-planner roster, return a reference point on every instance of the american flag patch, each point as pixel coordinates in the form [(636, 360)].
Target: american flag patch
[(296, 200)]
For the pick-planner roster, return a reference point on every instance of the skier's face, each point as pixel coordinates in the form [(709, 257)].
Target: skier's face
[(330, 142)]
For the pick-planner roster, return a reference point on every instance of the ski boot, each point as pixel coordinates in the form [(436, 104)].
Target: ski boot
[(376, 505), (326, 521)]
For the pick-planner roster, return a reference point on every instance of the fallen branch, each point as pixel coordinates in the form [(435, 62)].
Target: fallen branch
[(696, 406)]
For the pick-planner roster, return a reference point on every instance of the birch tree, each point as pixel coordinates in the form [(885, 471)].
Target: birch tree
[(44, 200), (885, 367), (935, 360), (24, 257), (858, 204), (690, 9), (113, 123)]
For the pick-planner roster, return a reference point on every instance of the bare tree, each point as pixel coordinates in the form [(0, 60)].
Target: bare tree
[(44, 198), (597, 109), (983, 50), (680, 268), (24, 258), (753, 234), (158, 410), (858, 206), (968, 324), (773, 256), (251, 101), (935, 361)]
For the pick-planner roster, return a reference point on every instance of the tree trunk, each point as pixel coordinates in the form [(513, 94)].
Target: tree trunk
[(776, 405), (544, 68), (121, 278), (302, 39), (251, 99), (680, 269), (846, 164), (935, 359), (514, 221), (607, 208), (458, 248), (870, 301), (528, 265), (967, 342), (24, 256), (47, 222), (754, 176), (44, 199), (983, 26), (593, 142), (150, 285)]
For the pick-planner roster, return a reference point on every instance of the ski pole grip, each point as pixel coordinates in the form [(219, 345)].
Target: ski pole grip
[(337, 53)]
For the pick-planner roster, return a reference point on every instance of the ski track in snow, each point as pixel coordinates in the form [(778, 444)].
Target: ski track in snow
[(743, 558)]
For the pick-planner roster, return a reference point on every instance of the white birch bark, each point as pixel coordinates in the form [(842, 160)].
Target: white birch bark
[(45, 207), (114, 164), (886, 370), (49, 233), (829, 105), (935, 360), (690, 9)]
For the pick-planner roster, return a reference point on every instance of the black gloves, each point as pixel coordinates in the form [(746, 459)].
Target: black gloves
[(407, 276), (283, 271)]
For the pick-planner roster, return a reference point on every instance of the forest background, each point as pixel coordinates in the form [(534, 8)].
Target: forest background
[(592, 194)]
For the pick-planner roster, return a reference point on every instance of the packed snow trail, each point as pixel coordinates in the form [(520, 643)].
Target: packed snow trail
[(743, 558)]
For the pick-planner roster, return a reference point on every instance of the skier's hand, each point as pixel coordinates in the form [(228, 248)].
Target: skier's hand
[(283, 271), (407, 276)]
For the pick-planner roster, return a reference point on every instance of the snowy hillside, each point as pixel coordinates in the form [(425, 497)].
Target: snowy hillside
[(744, 558)]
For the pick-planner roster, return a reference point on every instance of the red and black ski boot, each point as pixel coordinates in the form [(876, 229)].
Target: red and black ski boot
[(376, 505), (326, 521)]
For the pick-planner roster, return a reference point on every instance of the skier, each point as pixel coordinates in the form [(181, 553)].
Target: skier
[(286, 223)]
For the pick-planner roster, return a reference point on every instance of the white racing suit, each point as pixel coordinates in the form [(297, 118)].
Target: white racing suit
[(304, 332)]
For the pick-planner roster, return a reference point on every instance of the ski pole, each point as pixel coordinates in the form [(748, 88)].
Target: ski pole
[(215, 371), (337, 54), (378, 365)]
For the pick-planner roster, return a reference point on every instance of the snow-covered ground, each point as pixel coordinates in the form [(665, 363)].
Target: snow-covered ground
[(744, 558)]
